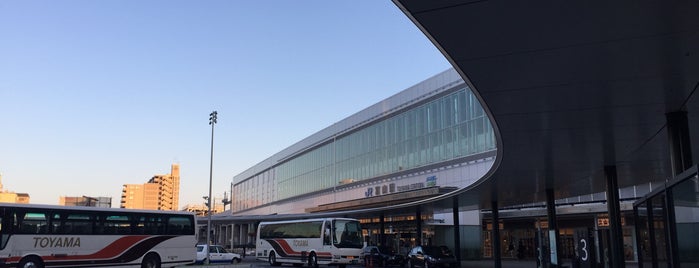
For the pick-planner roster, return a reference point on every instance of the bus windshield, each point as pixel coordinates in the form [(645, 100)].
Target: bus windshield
[(347, 234)]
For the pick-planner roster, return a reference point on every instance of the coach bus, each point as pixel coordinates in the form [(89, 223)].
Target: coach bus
[(331, 241), (59, 236)]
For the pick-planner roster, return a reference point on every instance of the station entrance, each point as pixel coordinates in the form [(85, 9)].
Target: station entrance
[(584, 239)]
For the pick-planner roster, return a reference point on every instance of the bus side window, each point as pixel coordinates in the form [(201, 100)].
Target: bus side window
[(78, 223), (179, 225), (116, 224), (326, 234), (5, 224), (34, 223)]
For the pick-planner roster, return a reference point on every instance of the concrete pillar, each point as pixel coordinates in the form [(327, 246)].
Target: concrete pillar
[(616, 239), (232, 234), (457, 231), (553, 226), (671, 230), (497, 254), (382, 228), (418, 224), (241, 233), (251, 229)]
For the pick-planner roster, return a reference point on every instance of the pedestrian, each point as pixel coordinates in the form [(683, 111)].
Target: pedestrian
[(511, 249), (520, 250)]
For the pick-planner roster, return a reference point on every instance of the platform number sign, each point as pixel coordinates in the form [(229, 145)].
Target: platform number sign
[(584, 247), (584, 251)]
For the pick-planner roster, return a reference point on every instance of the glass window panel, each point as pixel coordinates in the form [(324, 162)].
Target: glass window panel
[(477, 108), (480, 135), (465, 132), (421, 122), (411, 152), (463, 107), (458, 152), (686, 202), (436, 116), (400, 128), (448, 142), (450, 111), (659, 226)]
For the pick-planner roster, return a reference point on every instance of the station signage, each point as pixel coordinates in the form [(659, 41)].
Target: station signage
[(390, 188), (604, 222)]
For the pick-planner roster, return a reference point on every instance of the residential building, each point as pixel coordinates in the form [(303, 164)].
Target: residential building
[(12, 197), (161, 192)]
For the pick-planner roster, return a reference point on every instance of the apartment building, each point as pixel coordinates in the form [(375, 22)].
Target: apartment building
[(161, 192)]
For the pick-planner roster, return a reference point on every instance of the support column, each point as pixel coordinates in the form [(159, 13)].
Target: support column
[(671, 230), (233, 238), (251, 229), (616, 239), (680, 147), (553, 226), (382, 230), (497, 254), (241, 234), (681, 160), (418, 224), (651, 234), (539, 245), (236, 235), (457, 231), (217, 234)]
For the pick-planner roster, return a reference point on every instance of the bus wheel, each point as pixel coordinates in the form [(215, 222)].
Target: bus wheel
[(151, 260), (272, 259), (31, 262), (312, 260)]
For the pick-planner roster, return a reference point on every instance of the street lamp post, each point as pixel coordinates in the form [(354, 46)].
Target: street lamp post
[(212, 122)]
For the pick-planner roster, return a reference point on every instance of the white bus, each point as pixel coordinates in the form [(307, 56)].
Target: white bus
[(332, 241), (58, 236)]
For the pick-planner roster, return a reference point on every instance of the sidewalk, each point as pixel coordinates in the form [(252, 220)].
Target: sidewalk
[(251, 262), (509, 263)]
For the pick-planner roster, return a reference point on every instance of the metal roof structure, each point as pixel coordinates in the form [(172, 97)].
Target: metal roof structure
[(571, 87)]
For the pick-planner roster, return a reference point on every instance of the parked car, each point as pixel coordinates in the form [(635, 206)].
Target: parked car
[(217, 254), (380, 256), (431, 256)]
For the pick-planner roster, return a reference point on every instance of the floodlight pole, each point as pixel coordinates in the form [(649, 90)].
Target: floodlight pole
[(212, 122)]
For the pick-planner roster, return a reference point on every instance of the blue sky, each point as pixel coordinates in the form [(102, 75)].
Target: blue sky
[(96, 94)]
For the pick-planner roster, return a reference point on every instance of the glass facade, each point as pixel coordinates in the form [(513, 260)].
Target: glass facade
[(667, 224), (444, 128)]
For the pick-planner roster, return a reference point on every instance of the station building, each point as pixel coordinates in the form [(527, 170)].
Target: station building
[(424, 142)]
